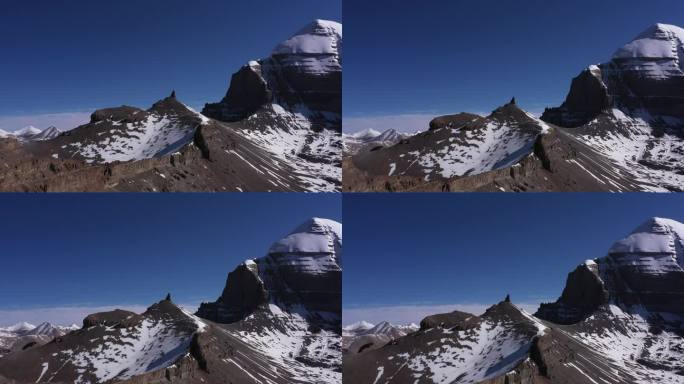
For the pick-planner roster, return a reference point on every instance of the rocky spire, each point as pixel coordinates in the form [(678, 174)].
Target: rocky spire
[(507, 299), (512, 100), (168, 297), (173, 94)]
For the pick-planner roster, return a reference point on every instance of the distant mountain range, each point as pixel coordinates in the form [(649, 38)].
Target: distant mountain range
[(31, 133), (277, 129), (24, 335), (278, 320), (619, 129), (619, 319), (364, 336), (371, 140)]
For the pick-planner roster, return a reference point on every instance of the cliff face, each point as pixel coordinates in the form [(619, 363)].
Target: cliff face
[(584, 292)]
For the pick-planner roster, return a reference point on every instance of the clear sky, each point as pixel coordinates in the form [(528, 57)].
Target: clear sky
[(409, 255), (69, 58), (423, 58), (64, 255)]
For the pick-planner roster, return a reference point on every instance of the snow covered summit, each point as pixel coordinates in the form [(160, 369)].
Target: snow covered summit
[(656, 52), (316, 235), (318, 37), (657, 41), (655, 236)]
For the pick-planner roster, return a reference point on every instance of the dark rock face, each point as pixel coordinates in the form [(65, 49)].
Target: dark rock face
[(116, 317), (115, 114), (247, 93), (584, 292), (452, 121), (588, 97), (243, 293), (454, 319)]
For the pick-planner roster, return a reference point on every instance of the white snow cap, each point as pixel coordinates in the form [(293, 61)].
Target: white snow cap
[(658, 41), (319, 37), (316, 235), (656, 235)]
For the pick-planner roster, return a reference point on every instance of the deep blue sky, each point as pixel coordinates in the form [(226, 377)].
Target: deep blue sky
[(446, 56), (78, 55), (103, 249), (475, 248)]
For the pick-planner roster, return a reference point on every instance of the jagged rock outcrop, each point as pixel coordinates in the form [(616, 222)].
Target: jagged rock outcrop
[(583, 294), (452, 121), (113, 318), (247, 93), (455, 319), (588, 97), (243, 293)]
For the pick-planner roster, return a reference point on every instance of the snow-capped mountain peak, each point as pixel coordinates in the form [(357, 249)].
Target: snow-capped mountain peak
[(315, 236), (658, 41), (46, 134), (656, 52), (655, 247), (50, 330), (318, 37)]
